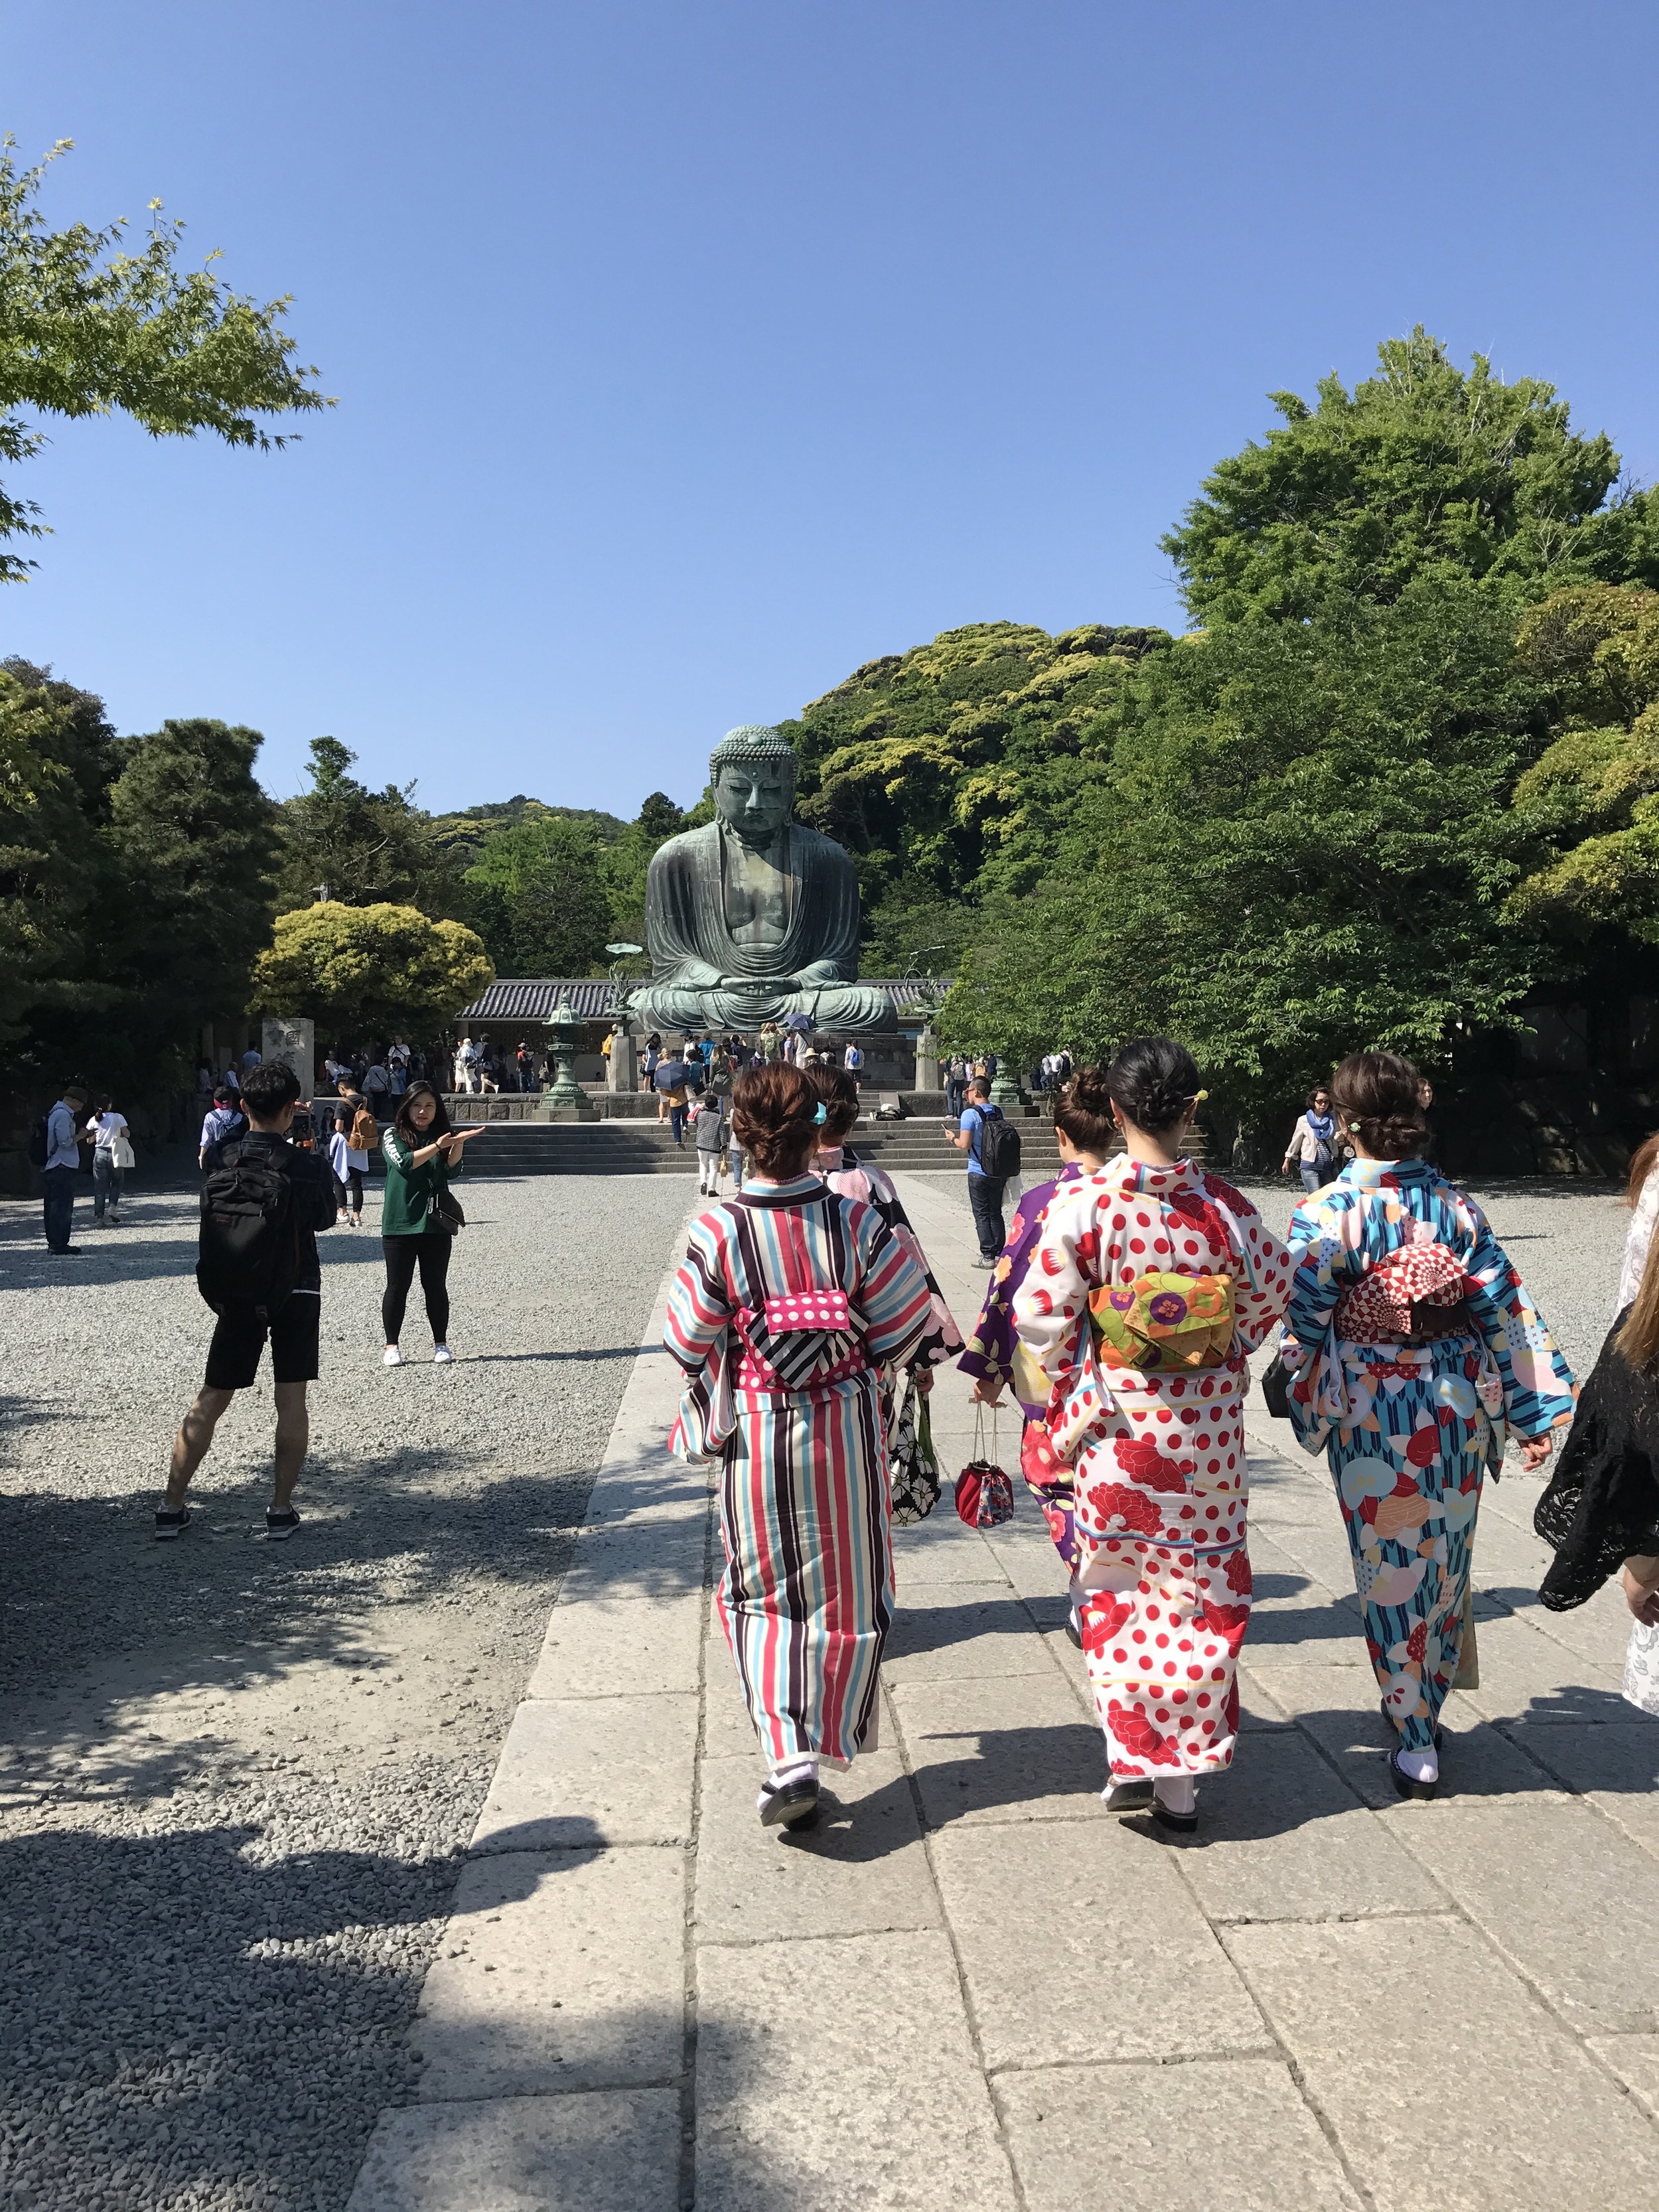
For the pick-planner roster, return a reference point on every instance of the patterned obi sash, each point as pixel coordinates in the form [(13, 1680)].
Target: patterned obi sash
[(798, 1341), (1416, 1294)]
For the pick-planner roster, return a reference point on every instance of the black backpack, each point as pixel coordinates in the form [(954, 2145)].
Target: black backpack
[(249, 1252), (999, 1143), (40, 1144)]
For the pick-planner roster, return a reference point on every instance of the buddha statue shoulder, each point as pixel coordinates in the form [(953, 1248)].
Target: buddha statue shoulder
[(754, 917)]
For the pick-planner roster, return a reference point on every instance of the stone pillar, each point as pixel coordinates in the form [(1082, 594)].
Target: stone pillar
[(295, 1041), (623, 1068), (928, 1060)]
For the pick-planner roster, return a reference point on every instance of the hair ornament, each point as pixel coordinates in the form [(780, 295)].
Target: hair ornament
[(1198, 1096), (822, 1116)]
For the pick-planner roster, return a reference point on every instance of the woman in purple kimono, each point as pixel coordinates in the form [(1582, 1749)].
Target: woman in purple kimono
[(1085, 1134)]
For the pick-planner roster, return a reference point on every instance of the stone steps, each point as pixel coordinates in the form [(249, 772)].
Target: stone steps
[(643, 1148)]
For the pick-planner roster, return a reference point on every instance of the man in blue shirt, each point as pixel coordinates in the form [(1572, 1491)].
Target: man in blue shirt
[(63, 1165), (984, 1191), (224, 1121)]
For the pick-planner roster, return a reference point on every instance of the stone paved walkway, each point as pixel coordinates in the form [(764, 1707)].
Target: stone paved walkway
[(969, 1988)]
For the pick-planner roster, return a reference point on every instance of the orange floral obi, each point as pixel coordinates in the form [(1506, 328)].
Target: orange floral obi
[(1159, 1321)]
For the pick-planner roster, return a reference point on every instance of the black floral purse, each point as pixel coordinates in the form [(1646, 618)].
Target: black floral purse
[(916, 1484)]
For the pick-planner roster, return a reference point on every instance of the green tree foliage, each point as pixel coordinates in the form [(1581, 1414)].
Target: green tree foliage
[(1594, 795), (944, 771), (53, 768), (369, 971), (87, 329), (134, 886), (1420, 469), (1302, 841), (194, 841), (539, 901), (367, 846)]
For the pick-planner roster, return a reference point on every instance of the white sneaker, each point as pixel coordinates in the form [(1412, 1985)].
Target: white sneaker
[(392, 1357), (443, 1356)]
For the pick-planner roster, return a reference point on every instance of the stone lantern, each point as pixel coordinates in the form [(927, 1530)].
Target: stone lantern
[(567, 1100)]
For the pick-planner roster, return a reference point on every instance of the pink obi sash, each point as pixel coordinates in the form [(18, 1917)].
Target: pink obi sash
[(798, 1341)]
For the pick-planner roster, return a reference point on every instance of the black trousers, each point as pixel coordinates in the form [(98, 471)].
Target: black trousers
[(985, 1197), (429, 1248)]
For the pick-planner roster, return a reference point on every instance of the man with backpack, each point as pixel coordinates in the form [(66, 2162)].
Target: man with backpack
[(223, 1120), (55, 1149), (263, 1204), (992, 1143)]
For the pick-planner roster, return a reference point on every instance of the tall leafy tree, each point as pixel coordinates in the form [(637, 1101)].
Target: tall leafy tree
[(54, 746), (1593, 796), (86, 328), (362, 847), (538, 899), (1422, 468), (1303, 842), (194, 841)]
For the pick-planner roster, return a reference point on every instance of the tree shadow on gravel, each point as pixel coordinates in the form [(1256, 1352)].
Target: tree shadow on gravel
[(101, 1619), (183, 2015)]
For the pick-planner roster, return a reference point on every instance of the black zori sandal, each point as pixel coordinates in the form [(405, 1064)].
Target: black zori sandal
[(1182, 1824), (1406, 1784), (793, 1804)]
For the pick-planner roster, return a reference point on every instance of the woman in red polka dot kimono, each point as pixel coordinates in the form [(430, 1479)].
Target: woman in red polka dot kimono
[(1150, 1283)]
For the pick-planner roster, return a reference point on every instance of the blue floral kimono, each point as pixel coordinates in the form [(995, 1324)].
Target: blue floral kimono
[(1411, 1428)]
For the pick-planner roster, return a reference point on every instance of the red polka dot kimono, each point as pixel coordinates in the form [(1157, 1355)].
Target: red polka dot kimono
[(1162, 1491)]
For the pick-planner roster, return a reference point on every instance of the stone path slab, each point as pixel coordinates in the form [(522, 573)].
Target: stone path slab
[(971, 1987)]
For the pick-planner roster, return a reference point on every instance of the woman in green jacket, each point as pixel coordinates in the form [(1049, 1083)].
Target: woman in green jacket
[(421, 1152)]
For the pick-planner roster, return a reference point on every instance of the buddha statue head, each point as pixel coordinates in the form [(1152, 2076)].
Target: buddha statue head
[(753, 773)]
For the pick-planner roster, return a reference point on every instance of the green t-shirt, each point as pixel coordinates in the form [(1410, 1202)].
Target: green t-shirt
[(406, 1206)]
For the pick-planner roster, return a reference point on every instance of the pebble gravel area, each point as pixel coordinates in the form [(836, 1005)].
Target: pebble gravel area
[(238, 1777)]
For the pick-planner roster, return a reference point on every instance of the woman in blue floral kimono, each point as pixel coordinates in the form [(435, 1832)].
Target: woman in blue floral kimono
[(1414, 1351)]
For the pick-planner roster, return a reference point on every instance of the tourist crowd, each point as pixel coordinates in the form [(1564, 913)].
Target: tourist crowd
[(1125, 1300)]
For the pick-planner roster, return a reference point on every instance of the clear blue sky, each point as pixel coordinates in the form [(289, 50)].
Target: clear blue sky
[(688, 355)]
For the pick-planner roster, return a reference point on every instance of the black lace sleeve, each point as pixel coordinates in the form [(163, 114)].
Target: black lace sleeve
[(1602, 1504)]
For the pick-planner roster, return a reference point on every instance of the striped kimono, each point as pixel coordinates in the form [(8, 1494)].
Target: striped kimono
[(1162, 1492), (807, 1596)]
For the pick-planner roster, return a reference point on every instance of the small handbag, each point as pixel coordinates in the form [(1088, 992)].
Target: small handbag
[(1276, 1386), (121, 1151), (444, 1209), (985, 1496), (915, 1483)]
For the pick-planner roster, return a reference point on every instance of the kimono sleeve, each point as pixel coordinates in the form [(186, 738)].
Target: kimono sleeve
[(1540, 1389), (696, 1332), (941, 1338), (1263, 1283), (893, 1299), (1050, 1309)]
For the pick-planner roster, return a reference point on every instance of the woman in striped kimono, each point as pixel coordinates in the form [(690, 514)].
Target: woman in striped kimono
[(845, 1172), (791, 1299)]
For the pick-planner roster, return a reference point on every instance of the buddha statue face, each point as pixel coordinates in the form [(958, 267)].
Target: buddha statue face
[(756, 797)]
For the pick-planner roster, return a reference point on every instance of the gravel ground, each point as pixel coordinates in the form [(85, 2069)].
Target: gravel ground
[(236, 1779)]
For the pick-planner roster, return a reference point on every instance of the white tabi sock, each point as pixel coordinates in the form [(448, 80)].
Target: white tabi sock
[(1420, 1766), (804, 1769), (1178, 1792)]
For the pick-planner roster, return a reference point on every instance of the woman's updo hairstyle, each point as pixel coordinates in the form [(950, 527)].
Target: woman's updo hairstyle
[(1153, 1082), (839, 1095), (1379, 1096), (775, 1118), (1084, 1110)]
